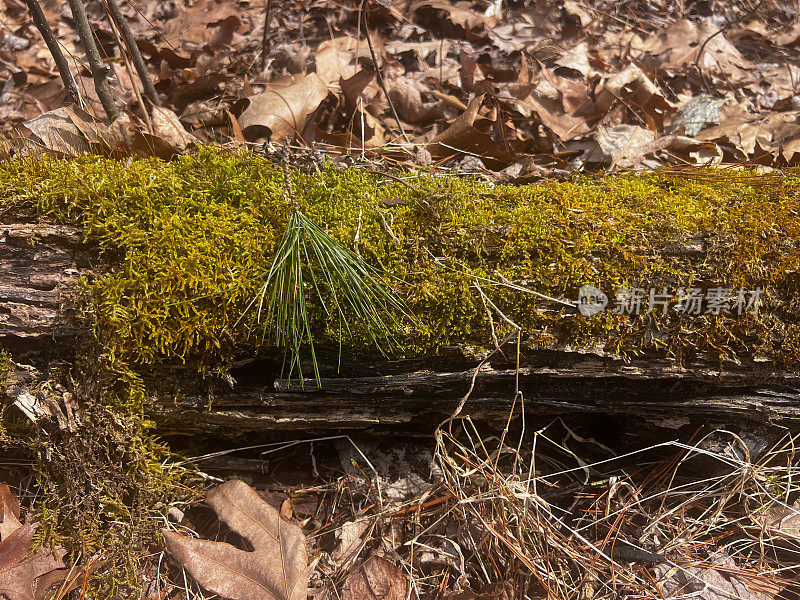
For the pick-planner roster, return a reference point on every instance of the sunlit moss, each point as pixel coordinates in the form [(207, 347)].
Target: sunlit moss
[(188, 242)]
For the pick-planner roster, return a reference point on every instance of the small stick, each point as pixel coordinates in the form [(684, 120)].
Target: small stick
[(55, 51), (98, 69), (133, 48), (265, 36), (379, 75), (148, 123)]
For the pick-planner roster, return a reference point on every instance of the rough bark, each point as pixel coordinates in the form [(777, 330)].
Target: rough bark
[(40, 266)]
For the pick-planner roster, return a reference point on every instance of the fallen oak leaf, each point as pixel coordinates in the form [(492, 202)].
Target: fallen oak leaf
[(376, 579), (276, 569), (20, 570), (283, 111)]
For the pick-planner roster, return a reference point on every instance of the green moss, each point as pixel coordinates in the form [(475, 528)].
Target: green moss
[(5, 368), (105, 493), (189, 241)]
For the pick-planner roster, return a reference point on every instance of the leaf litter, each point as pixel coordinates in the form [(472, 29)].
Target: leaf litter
[(589, 85), (27, 570), (545, 513)]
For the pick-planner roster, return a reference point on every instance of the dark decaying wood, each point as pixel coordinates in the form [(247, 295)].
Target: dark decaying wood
[(40, 265), (655, 392)]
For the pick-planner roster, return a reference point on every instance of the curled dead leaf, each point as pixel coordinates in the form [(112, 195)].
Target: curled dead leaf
[(167, 126), (464, 136), (458, 13), (283, 111), (376, 579), (632, 86), (276, 569)]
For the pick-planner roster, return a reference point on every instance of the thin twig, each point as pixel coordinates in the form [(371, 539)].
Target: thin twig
[(379, 75), (265, 37), (147, 121), (96, 66), (55, 51), (138, 62)]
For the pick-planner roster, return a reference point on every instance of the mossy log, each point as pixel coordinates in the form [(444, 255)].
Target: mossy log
[(41, 265), (150, 264)]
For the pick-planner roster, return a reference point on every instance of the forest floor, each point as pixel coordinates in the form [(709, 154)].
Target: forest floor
[(509, 91)]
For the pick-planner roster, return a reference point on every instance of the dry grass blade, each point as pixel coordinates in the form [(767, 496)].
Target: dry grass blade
[(640, 525)]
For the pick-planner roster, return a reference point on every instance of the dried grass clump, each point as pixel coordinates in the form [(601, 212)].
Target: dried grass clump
[(551, 514), (666, 520)]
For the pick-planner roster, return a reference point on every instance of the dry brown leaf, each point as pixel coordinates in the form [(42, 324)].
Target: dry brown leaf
[(353, 88), (790, 39), (464, 136), (70, 130), (351, 540), (625, 145), (783, 520), (337, 58), (635, 89), (276, 569), (9, 512), (679, 45), (783, 82), (406, 96), (192, 25), (546, 102), (24, 575), (283, 111), (237, 136), (376, 579), (746, 131), (458, 13), (374, 135), (56, 131), (576, 59), (167, 126), (705, 583), (19, 569), (422, 50)]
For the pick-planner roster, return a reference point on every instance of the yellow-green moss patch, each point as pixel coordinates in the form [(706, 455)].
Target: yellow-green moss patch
[(188, 241)]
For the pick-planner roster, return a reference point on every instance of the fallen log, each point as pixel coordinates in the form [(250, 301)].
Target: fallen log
[(750, 380), (41, 264), (656, 392)]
